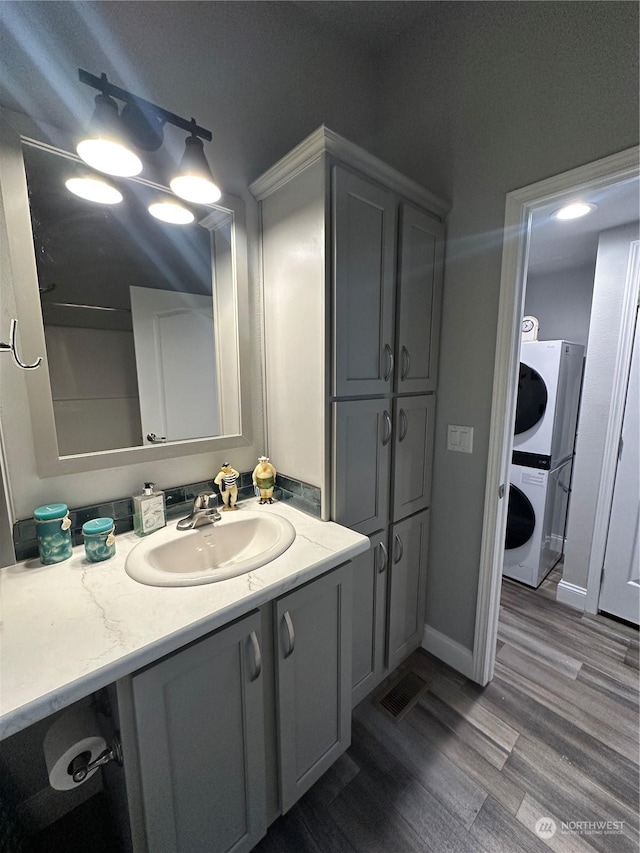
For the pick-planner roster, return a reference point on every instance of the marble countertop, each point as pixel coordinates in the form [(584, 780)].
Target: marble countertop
[(72, 628)]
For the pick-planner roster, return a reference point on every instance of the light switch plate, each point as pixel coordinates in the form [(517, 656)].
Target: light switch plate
[(460, 438)]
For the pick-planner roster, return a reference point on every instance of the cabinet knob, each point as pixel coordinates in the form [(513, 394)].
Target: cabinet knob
[(389, 362), (290, 632), (406, 363), (386, 438), (399, 549), (383, 562), (257, 656), (404, 425)]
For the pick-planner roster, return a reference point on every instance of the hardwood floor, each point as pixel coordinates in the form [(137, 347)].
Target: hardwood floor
[(470, 769)]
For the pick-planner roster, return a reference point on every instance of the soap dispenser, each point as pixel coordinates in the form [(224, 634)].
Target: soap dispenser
[(149, 510)]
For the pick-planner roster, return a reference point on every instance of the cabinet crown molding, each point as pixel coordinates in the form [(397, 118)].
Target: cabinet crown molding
[(326, 141)]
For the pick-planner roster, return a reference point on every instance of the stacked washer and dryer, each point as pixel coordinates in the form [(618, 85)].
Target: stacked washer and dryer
[(540, 475)]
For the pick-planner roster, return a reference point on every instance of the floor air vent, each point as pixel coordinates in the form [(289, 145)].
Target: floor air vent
[(402, 695)]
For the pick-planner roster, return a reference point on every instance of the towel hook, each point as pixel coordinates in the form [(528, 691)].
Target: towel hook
[(11, 347)]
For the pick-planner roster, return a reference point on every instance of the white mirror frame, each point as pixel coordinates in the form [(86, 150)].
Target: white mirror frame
[(23, 278)]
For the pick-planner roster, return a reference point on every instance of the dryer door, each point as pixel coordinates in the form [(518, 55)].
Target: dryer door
[(521, 519), (532, 399)]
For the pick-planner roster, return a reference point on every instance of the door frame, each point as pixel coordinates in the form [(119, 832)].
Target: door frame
[(519, 209)]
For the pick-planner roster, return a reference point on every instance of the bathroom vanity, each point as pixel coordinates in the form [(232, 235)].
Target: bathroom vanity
[(356, 248), (231, 697)]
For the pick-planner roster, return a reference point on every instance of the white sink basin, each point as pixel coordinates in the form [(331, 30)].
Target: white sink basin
[(241, 542)]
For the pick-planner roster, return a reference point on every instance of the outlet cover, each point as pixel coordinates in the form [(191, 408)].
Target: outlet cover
[(460, 438)]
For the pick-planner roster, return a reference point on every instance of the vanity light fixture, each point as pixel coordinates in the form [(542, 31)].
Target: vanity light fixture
[(142, 124), (195, 182), (104, 146), (94, 189), (171, 211), (575, 210)]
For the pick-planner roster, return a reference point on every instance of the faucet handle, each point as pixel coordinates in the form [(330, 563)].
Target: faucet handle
[(205, 500)]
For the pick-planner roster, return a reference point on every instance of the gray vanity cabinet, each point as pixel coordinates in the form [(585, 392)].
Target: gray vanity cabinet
[(365, 433), (364, 239), (352, 263), (370, 572), (200, 733), (419, 297), (313, 680), (408, 549), (361, 460), (413, 451)]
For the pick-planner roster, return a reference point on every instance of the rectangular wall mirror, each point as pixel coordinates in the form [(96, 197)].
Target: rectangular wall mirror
[(141, 322)]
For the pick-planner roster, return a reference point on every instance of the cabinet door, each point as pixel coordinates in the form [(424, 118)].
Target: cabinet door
[(200, 729), (414, 430), (419, 300), (369, 617), (364, 230), (361, 464), (408, 568), (313, 669)]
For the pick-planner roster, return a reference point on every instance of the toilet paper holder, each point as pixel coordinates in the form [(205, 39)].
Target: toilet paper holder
[(80, 767)]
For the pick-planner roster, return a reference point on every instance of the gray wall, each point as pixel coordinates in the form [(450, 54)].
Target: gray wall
[(493, 97), (561, 300), (608, 293)]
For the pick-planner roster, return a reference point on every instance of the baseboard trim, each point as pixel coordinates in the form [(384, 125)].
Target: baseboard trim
[(574, 596), (454, 654)]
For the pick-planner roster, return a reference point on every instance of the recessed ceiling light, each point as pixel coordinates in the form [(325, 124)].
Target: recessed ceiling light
[(93, 189), (169, 211), (575, 210)]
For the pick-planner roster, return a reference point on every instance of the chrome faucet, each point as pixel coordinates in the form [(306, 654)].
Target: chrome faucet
[(205, 511)]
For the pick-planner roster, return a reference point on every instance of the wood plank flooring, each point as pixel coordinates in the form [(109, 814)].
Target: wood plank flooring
[(472, 770)]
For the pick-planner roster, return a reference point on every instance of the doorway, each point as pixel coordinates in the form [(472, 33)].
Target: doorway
[(522, 206)]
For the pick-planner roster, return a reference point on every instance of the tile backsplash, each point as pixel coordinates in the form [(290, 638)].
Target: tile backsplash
[(179, 501)]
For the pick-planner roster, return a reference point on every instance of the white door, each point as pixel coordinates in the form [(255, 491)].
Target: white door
[(620, 592), (174, 338)]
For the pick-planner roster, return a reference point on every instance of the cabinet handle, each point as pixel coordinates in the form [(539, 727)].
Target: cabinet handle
[(292, 634), (386, 438), (406, 363), (404, 425), (257, 656), (389, 360), (383, 563), (399, 549)]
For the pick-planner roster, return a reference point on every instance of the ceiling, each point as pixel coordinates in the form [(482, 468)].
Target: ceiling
[(559, 245), (371, 24)]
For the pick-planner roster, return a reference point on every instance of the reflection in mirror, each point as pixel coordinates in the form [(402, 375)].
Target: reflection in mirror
[(140, 316)]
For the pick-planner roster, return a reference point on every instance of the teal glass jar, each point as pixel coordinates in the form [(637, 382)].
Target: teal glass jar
[(99, 539), (53, 529)]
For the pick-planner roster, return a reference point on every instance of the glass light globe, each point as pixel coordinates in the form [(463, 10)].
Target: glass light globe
[(169, 211), (93, 189), (195, 189), (109, 157)]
